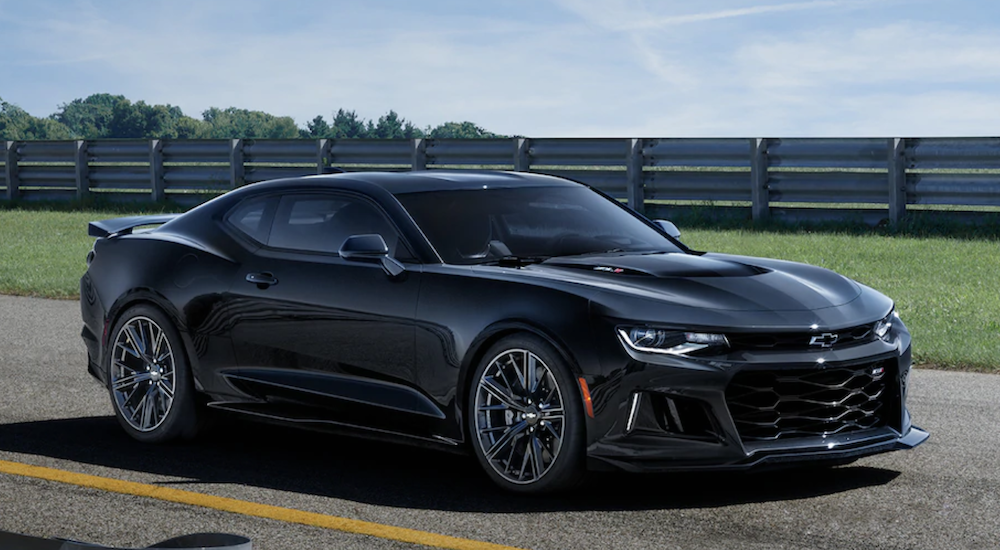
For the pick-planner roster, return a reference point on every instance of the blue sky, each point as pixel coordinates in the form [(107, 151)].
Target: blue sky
[(541, 68)]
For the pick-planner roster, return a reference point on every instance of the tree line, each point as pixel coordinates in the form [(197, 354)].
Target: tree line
[(115, 116)]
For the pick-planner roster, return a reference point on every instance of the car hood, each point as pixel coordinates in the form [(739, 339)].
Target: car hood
[(709, 281)]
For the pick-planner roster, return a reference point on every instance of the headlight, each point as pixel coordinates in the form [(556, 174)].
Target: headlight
[(883, 327), (671, 342)]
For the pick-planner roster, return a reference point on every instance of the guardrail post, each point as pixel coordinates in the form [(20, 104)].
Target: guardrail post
[(760, 208), (237, 173), (10, 158), (156, 182), (419, 161), (522, 156), (897, 179), (322, 155), (633, 176), (81, 170)]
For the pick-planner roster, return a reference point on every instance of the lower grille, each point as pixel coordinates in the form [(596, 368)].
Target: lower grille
[(780, 404)]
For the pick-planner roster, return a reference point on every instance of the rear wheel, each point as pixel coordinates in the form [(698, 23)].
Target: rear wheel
[(526, 417), (148, 378)]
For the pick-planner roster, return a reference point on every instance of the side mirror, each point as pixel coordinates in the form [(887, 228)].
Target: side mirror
[(371, 248), (364, 247), (669, 228)]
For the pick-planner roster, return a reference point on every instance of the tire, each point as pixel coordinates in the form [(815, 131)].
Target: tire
[(527, 440), (149, 379)]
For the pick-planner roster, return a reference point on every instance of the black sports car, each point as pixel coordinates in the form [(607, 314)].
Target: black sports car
[(530, 319)]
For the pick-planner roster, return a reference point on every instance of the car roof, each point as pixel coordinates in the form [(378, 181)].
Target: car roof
[(399, 183)]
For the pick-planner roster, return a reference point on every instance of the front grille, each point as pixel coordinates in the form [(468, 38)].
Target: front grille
[(802, 340), (780, 404)]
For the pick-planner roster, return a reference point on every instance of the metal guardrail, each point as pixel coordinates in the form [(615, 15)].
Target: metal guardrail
[(884, 175)]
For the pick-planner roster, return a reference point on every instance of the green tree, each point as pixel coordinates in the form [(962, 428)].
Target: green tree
[(17, 124), (90, 117), (461, 130), (160, 121), (127, 120), (347, 124), (190, 128), (316, 128), (392, 126), (233, 123), (389, 126), (410, 131), (114, 116), (106, 115)]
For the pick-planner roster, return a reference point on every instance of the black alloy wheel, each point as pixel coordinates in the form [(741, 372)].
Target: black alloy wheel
[(149, 379), (526, 418)]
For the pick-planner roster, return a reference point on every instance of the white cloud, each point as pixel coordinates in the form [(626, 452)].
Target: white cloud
[(596, 68), (740, 12), (436, 72), (905, 52), (625, 15)]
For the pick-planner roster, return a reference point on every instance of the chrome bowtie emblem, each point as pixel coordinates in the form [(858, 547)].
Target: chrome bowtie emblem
[(825, 340)]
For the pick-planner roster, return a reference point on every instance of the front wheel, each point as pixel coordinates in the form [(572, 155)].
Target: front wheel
[(526, 417), (149, 379)]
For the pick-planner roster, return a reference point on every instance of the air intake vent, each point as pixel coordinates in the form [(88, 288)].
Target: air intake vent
[(661, 414), (780, 404)]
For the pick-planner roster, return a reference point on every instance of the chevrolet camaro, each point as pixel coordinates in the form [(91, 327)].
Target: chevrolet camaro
[(529, 320)]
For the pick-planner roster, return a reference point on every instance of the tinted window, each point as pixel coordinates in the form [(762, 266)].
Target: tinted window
[(252, 217), (321, 223), (481, 225)]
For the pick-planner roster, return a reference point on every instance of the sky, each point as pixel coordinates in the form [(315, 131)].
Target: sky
[(538, 68)]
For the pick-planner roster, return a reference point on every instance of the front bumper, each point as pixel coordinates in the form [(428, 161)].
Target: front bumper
[(658, 414)]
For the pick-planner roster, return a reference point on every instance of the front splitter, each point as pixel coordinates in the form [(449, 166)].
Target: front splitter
[(764, 459)]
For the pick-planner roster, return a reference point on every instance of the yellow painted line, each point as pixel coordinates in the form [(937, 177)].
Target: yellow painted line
[(245, 508)]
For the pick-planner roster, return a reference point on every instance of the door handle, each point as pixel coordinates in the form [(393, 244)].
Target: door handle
[(262, 280)]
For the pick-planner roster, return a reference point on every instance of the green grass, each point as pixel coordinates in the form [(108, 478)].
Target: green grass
[(943, 278), (43, 249)]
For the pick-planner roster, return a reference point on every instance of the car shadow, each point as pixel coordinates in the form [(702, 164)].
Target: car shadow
[(385, 474)]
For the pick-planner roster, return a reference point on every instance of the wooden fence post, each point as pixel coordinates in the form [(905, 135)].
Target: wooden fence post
[(419, 159), (633, 176), (10, 158), (237, 173), (522, 158), (156, 182), (760, 208), (81, 170), (897, 179)]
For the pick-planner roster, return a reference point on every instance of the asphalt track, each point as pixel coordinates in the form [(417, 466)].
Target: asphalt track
[(944, 494)]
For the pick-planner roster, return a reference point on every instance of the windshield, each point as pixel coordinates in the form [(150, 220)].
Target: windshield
[(484, 225)]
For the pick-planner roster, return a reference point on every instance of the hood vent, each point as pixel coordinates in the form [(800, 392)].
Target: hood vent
[(658, 265)]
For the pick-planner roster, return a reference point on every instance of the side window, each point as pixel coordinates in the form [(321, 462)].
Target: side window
[(321, 223), (253, 217)]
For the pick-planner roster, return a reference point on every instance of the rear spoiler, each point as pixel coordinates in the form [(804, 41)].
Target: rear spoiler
[(124, 226)]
